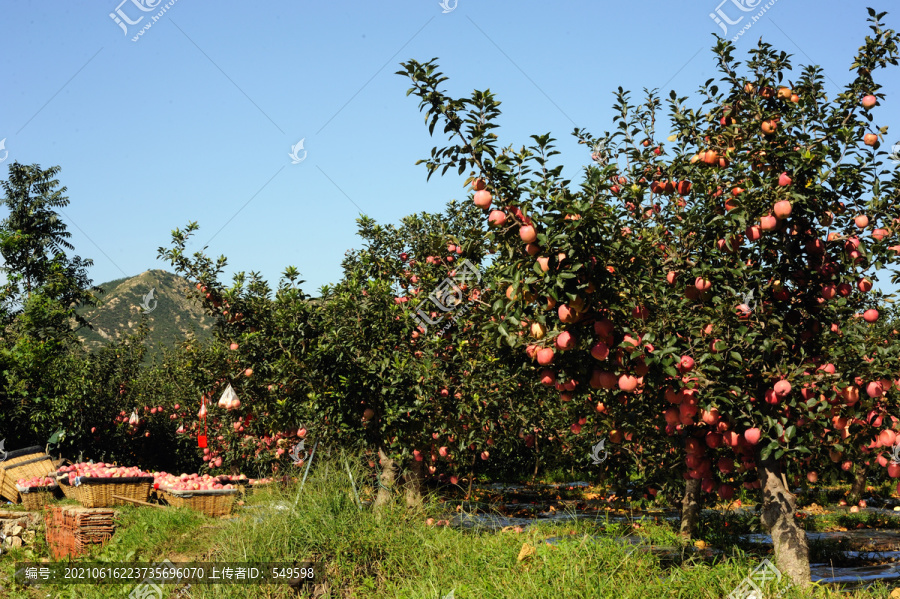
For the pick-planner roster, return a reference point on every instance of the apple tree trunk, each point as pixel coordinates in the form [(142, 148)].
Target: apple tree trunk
[(690, 508), (412, 484), (386, 480), (859, 484), (777, 516)]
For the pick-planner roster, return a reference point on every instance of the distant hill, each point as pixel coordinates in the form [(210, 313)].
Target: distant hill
[(171, 315)]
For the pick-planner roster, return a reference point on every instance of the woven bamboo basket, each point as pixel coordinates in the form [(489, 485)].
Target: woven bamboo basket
[(23, 455), (214, 502), (39, 465), (16, 457), (98, 492), (67, 489), (35, 498)]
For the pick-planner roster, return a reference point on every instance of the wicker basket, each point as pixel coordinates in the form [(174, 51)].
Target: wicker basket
[(98, 492), (16, 457), (35, 498), (39, 465), (214, 502), (69, 491)]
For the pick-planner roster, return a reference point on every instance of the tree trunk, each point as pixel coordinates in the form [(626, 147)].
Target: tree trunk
[(537, 460), (859, 485), (471, 478), (777, 516), (389, 475), (690, 508), (412, 484)]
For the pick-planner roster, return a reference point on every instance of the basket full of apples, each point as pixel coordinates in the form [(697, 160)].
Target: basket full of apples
[(36, 491), (26, 464), (207, 494), (94, 485)]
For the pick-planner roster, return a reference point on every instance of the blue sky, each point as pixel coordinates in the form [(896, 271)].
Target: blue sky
[(195, 120)]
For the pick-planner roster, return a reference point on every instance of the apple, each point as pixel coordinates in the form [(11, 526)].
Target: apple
[(548, 377), (870, 139), (869, 101), (600, 351), (627, 383), (752, 435), (527, 234), (874, 390), (497, 218), (782, 209), (545, 356), (782, 388), (482, 199), (784, 180)]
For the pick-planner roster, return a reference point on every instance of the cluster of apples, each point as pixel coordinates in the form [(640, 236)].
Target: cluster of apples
[(35, 482), (260, 481), (99, 470), (188, 482)]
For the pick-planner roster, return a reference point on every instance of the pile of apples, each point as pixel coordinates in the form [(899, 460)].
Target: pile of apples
[(100, 470), (188, 482), (36, 482), (260, 481), (240, 478)]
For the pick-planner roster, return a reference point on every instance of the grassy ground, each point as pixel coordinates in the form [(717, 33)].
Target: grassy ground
[(397, 555)]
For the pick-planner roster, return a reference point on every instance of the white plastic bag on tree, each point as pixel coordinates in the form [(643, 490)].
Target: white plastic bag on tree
[(228, 399), (133, 420)]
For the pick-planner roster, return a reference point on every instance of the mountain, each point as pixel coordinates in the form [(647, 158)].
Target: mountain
[(171, 316)]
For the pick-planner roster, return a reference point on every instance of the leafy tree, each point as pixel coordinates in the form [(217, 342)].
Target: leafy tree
[(642, 269), (33, 240), (43, 288)]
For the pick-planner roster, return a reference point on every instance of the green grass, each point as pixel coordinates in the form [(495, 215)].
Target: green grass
[(396, 555)]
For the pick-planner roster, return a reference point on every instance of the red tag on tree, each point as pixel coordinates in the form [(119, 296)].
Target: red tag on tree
[(201, 439)]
